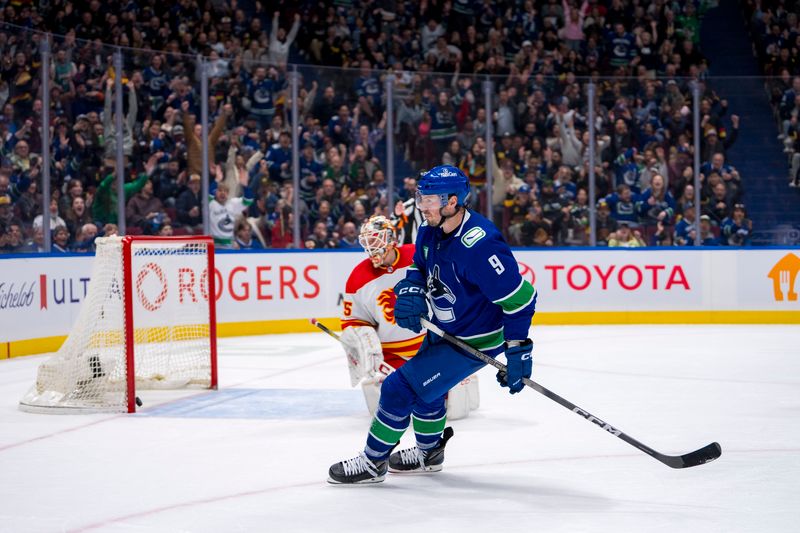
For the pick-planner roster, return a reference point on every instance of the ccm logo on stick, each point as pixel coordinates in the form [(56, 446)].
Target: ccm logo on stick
[(608, 427)]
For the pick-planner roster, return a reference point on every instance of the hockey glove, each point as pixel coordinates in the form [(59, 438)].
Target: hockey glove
[(519, 365), (364, 352), (411, 303)]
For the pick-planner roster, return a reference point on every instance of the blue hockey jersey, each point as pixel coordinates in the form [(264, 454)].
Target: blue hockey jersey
[(473, 283)]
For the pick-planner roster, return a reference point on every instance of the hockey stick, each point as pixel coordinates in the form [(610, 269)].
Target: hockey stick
[(324, 328), (697, 457)]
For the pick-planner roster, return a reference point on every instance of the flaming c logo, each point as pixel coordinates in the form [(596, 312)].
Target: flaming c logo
[(386, 300), (784, 278)]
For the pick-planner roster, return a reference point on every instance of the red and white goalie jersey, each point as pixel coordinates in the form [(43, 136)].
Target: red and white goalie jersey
[(369, 301)]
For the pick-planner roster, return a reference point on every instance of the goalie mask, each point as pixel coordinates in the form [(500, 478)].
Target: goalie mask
[(378, 238)]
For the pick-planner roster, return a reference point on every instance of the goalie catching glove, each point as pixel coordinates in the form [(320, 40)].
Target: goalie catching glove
[(364, 353)]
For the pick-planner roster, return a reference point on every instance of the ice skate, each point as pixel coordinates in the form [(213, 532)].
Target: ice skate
[(359, 469), (416, 460)]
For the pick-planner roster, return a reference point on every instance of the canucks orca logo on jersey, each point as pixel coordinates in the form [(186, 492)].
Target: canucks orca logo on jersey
[(442, 297)]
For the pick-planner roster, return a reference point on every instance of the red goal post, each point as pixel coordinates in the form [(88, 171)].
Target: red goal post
[(148, 322)]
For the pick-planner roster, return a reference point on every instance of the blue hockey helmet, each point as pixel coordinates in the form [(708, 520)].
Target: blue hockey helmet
[(444, 181)]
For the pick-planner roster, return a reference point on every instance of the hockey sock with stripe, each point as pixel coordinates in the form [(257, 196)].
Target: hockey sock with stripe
[(384, 434), (391, 417), (428, 427)]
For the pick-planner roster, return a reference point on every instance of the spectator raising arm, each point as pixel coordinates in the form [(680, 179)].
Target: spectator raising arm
[(194, 143), (279, 42)]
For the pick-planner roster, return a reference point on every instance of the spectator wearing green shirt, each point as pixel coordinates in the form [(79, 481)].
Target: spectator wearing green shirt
[(104, 207), (689, 24)]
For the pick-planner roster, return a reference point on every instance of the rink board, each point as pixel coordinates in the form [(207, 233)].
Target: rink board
[(277, 291)]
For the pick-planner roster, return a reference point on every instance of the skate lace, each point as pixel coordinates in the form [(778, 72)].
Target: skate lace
[(412, 456), (358, 464)]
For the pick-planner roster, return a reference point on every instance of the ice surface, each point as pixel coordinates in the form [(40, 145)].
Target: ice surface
[(254, 455)]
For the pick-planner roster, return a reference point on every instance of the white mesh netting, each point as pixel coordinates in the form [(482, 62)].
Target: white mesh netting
[(171, 330)]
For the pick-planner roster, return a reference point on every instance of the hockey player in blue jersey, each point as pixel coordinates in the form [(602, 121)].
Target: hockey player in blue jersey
[(466, 279)]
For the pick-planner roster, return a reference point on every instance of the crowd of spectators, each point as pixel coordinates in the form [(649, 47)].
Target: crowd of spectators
[(776, 32), (642, 56)]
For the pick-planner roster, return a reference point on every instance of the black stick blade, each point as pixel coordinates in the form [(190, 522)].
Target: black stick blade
[(698, 457)]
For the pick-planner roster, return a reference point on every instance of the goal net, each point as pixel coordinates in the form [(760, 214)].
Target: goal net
[(147, 322)]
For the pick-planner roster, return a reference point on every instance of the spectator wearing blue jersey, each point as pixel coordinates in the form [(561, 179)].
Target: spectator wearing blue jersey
[(340, 127), (685, 228), (443, 122), (243, 236), (84, 240), (279, 159), (622, 205), (656, 203), (621, 46), (349, 237), (707, 237), (464, 270), (734, 189), (717, 164), (156, 82), (261, 91), (312, 133), (736, 229), (627, 171), (60, 239), (36, 242), (310, 173), (369, 87)]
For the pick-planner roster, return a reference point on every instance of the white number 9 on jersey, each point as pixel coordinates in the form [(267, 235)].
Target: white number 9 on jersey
[(496, 264)]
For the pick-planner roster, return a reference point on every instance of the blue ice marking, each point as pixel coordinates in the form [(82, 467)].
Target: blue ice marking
[(285, 404)]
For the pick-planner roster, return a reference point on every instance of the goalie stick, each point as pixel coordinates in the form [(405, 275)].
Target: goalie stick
[(324, 328), (698, 457)]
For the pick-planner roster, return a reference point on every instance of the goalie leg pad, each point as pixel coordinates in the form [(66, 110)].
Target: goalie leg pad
[(473, 391), (463, 398), (371, 387), (372, 394)]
